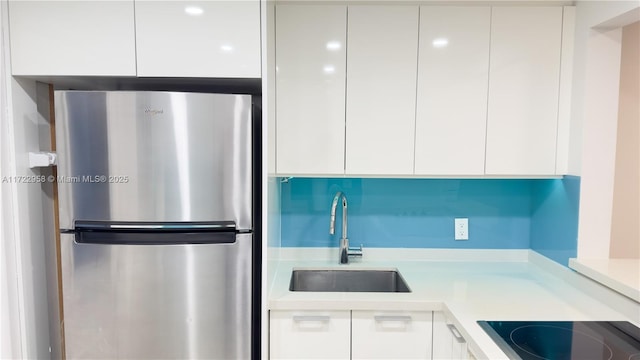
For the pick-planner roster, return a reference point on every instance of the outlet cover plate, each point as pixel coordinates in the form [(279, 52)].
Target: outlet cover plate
[(461, 229)]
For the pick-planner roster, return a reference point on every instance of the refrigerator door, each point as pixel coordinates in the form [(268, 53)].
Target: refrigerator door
[(153, 156), (157, 301)]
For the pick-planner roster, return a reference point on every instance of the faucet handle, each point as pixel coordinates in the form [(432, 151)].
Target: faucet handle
[(354, 251)]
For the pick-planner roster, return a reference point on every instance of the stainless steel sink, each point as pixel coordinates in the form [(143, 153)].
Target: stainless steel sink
[(348, 281)]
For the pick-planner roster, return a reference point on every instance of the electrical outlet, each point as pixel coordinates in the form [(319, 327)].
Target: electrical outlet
[(461, 229)]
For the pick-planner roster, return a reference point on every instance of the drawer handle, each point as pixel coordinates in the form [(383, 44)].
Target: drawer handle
[(403, 318), (456, 333), (320, 318)]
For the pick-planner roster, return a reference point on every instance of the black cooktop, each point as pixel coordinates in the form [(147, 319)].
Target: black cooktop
[(566, 340)]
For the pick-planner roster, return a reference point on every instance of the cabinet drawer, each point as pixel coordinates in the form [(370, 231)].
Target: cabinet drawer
[(391, 335), (309, 334)]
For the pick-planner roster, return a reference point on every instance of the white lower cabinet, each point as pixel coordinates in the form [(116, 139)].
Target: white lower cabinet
[(309, 335), (350, 335), (448, 343), (390, 335)]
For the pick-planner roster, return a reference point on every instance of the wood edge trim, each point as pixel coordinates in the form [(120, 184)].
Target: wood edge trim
[(56, 221)]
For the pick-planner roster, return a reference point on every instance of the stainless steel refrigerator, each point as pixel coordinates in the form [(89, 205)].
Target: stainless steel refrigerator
[(158, 223)]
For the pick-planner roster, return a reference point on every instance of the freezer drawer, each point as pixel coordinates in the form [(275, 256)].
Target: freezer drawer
[(157, 301), (154, 156)]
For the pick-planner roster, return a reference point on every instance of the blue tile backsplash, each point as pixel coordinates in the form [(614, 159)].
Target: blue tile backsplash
[(554, 218), (419, 213)]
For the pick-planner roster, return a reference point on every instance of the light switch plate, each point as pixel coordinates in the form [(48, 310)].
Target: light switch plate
[(461, 229)]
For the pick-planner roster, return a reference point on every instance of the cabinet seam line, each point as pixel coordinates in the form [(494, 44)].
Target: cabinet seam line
[(135, 39), (346, 69), (415, 108), (350, 334), (555, 160), (275, 86), (486, 125)]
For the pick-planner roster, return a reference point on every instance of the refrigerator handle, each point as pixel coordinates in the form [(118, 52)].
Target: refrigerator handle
[(142, 226), (147, 233)]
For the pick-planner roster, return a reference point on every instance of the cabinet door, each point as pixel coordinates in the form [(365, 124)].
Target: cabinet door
[(309, 335), (524, 77), (442, 338), (382, 58), (310, 88), (448, 343), (453, 71), (390, 335), (85, 38), (198, 38)]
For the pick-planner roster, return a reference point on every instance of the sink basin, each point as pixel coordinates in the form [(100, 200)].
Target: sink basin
[(348, 281)]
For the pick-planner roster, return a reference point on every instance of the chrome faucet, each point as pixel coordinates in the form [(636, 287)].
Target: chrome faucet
[(345, 250)]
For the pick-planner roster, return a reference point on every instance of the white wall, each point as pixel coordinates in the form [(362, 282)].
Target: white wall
[(273, 244), (589, 15), (594, 116), (625, 218), (23, 240), (29, 238), (10, 329), (271, 185)]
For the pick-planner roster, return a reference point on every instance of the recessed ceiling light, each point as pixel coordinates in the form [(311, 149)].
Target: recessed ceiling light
[(440, 42), (334, 45), (193, 10)]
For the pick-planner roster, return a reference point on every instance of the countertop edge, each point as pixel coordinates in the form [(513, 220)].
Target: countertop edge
[(463, 317), (584, 268)]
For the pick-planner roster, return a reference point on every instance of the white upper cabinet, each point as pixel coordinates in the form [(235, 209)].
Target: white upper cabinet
[(310, 88), (72, 38), (453, 72), (382, 59), (147, 38), (406, 90), (524, 77), (198, 38)]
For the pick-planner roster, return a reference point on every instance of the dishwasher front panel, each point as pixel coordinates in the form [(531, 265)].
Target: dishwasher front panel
[(157, 301)]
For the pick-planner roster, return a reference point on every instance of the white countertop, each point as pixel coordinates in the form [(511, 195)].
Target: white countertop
[(467, 291), (621, 275)]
